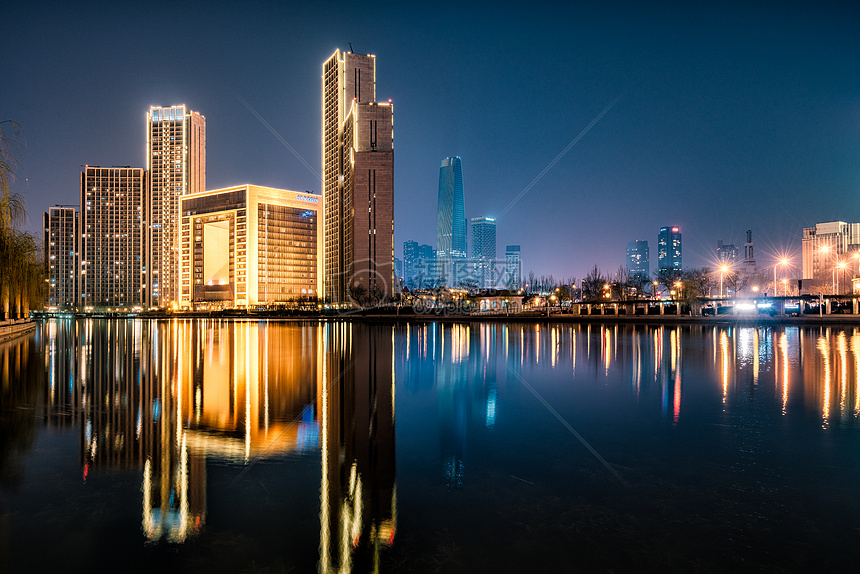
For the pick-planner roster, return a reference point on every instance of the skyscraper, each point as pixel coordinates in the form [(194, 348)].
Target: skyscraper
[(669, 248), (450, 218), (61, 225), (484, 251), (638, 259), (113, 237), (727, 253), (513, 267), (176, 162), (358, 179)]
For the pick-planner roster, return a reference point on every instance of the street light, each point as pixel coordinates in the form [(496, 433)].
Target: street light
[(841, 265), (783, 262), (826, 249), (723, 269)]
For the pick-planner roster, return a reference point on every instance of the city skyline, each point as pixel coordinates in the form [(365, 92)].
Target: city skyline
[(725, 120)]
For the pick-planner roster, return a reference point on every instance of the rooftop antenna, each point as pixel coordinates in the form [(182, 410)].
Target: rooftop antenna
[(350, 47)]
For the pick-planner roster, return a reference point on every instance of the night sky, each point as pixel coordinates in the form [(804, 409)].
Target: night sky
[(726, 119)]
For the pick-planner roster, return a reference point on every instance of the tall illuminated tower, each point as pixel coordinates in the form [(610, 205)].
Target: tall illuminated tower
[(358, 180), (638, 260), (450, 219), (176, 162), (669, 248)]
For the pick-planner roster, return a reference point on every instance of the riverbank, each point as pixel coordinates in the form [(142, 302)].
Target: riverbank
[(13, 328), (393, 316)]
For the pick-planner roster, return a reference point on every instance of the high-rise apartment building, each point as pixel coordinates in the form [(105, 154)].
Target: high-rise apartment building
[(826, 245), (62, 270), (358, 179), (450, 220), (249, 245), (638, 260), (669, 248), (176, 162), (727, 253), (113, 237), (419, 265), (513, 267), (484, 251)]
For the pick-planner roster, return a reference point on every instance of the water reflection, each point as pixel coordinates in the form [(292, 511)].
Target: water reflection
[(163, 400)]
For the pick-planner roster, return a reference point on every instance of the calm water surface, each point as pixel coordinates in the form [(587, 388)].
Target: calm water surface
[(233, 446)]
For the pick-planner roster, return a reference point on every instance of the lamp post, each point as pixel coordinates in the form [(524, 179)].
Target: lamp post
[(841, 265), (723, 269), (783, 262), (826, 249)]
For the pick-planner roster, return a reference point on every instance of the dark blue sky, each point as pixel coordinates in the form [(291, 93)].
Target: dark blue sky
[(728, 118)]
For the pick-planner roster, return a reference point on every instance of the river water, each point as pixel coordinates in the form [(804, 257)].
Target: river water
[(243, 446)]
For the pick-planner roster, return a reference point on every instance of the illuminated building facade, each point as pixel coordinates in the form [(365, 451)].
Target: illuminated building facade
[(484, 251), (358, 180), (249, 245), (727, 253), (113, 237), (450, 219), (669, 248), (61, 233), (638, 260), (176, 161), (826, 245), (513, 267)]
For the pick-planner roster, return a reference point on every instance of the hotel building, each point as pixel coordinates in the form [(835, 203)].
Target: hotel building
[(249, 245), (176, 162), (358, 180), (61, 227), (113, 236)]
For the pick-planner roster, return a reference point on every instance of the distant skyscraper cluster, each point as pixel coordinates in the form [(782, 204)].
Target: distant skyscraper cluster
[(450, 265), (155, 237)]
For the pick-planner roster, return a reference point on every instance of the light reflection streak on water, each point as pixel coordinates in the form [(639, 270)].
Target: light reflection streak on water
[(676, 369), (658, 352), (783, 347), (537, 344), (554, 343), (842, 346), (606, 348), (823, 346), (637, 361), (855, 349), (724, 370), (755, 356)]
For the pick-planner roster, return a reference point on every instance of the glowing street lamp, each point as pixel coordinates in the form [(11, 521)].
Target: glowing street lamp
[(783, 262), (723, 269), (841, 266)]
